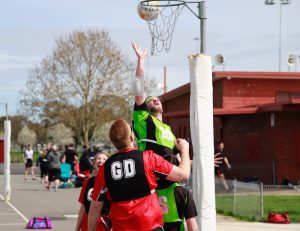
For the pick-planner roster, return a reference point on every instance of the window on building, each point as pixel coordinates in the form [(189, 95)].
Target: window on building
[(287, 95), (296, 95), (283, 96)]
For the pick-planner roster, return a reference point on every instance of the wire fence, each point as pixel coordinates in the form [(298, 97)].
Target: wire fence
[(247, 199), (242, 199)]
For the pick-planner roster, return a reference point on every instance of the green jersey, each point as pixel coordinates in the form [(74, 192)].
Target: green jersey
[(151, 133), (168, 205)]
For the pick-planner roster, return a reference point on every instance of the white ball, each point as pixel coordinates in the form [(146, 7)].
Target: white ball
[(149, 12)]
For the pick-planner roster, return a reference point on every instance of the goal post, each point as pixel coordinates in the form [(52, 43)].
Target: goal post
[(7, 144), (201, 124)]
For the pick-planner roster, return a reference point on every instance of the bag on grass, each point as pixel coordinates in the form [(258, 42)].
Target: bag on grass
[(39, 223), (282, 218)]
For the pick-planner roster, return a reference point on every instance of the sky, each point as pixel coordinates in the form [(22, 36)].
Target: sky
[(246, 33)]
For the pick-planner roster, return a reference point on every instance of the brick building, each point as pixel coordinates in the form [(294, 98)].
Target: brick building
[(257, 115)]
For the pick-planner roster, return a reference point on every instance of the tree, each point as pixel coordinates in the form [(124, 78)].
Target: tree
[(17, 122), (26, 136), (61, 135), (83, 84), (102, 134), (40, 131)]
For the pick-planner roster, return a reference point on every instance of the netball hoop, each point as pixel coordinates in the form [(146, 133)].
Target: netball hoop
[(162, 25)]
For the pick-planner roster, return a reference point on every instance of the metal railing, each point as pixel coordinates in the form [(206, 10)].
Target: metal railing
[(247, 199)]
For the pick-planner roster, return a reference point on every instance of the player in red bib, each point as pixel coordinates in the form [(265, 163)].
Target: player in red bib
[(128, 178), (103, 223)]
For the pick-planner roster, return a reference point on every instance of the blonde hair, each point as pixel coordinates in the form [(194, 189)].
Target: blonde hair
[(95, 172)]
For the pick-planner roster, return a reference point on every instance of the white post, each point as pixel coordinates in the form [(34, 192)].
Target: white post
[(201, 123), (7, 134)]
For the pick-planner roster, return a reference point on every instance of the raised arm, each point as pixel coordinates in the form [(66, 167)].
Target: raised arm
[(139, 74)]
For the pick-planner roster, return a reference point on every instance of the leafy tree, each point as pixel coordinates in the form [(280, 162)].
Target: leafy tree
[(26, 136), (61, 135), (40, 131), (83, 84), (17, 122)]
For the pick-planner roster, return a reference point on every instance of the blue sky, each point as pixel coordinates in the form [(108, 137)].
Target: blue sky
[(245, 32)]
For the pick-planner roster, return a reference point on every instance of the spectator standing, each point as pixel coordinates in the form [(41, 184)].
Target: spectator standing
[(85, 163), (219, 170), (85, 198), (129, 177), (28, 159), (71, 157), (54, 160), (43, 163)]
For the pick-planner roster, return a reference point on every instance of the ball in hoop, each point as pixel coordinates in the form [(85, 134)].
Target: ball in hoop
[(148, 12)]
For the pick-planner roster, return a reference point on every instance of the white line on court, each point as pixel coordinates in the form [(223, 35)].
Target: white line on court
[(71, 215), (12, 224), (14, 208)]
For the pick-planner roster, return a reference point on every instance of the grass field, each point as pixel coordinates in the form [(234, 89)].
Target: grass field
[(247, 207), (17, 157)]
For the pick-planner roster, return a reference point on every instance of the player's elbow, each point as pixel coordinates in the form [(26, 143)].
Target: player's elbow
[(179, 174), (185, 175)]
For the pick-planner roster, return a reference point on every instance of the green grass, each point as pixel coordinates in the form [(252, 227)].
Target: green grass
[(280, 204), (248, 206), (17, 157)]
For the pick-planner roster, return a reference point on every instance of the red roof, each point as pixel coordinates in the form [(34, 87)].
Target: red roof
[(288, 105), (255, 75)]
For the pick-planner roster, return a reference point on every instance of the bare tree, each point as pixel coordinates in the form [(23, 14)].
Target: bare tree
[(61, 135), (83, 84), (102, 134), (26, 136)]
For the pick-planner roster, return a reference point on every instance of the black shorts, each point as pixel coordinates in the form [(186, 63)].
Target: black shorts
[(43, 170), (219, 170), (54, 174), (28, 163)]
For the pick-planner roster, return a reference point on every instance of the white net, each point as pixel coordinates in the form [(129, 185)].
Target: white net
[(162, 26)]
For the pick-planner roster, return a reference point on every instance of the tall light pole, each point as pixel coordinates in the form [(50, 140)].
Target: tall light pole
[(281, 2), (197, 39)]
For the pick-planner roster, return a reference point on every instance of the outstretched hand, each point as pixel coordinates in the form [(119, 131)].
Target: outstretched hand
[(217, 159), (141, 54)]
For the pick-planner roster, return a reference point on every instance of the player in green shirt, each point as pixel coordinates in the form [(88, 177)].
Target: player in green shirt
[(152, 134)]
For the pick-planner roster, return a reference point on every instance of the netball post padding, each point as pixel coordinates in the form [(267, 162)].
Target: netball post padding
[(201, 124)]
